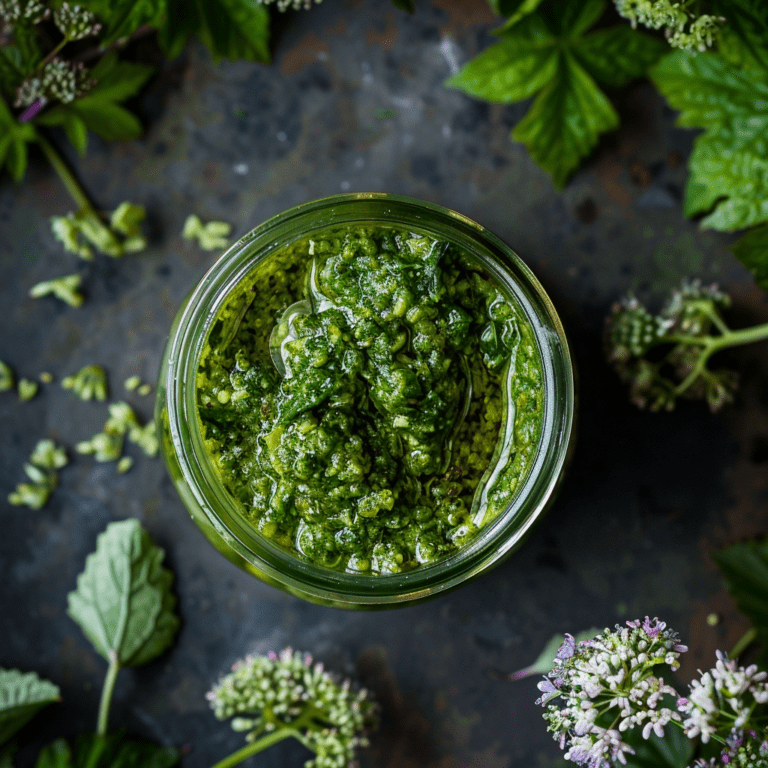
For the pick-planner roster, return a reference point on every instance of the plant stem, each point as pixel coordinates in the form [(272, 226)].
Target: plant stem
[(257, 746), (65, 174), (106, 694), (744, 642)]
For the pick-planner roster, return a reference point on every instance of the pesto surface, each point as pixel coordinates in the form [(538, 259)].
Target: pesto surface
[(411, 406)]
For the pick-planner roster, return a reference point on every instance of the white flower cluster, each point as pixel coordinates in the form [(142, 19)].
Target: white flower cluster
[(75, 22), (722, 698), (31, 11), (743, 749), (672, 15), (608, 686), (284, 5), (59, 80), (265, 693)]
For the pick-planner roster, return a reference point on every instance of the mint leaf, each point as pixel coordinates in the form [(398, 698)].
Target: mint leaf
[(752, 251), (565, 121), (231, 29), (743, 38), (123, 601), (745, 569), (729, 167), (675, 750), (546, 52), (113, 750), (515, 10), (21, 697)]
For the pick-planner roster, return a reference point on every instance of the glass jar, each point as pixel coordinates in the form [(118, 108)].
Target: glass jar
[(217, 513)]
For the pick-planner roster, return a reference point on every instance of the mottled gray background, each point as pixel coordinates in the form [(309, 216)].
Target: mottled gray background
[(647, 497)]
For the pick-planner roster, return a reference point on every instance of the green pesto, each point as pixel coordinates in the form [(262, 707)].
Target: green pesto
[(411, 407)]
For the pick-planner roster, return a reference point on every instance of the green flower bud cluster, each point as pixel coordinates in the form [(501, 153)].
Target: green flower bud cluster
[(664, 357), (46, 458), (681, 28), (75, 22), (88, 383), (289, 692), (60, 80), (30, 11), (65, 288)]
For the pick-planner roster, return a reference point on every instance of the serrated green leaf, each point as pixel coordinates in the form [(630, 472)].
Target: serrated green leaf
[(231, 29), (566, 120), (117, 80), (114, 750), (743, 39), (675, 750), (571, 20), (729, 164), (123, 601), (22, 695), (744, 567), (618, 55), (514, 69), (109, 120), (752, 251)]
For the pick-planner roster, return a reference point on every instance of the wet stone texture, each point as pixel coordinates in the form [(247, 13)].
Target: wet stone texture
[(354, 102)]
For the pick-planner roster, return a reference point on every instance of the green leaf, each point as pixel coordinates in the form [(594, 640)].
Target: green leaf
[(111, 121), (515, 10), (564, 123), (123, 17), (231, 29), (111, 751), (117, 80), (123, 601), (6, 756), (675, 750), (571, 20), (13, 144), (514, 69), (22, 695), (744, 567), (729, 164), (545, 661), (618, 55), (752, 251), (744, 37)]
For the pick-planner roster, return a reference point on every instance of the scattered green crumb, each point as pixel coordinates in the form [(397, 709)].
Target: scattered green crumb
[(103, 447), (64, 288), (124, 464), (48, 455), (88, 383), (45, 459), (6, 377), (144, 389), (385, 114), (127, 219), (27, 389), (46, 377), (132, 382), (210, 237)]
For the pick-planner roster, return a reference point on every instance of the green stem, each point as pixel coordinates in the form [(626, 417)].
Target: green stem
[(65, 174), (50, 56), (744, 642), (257, 746), (106, 694)]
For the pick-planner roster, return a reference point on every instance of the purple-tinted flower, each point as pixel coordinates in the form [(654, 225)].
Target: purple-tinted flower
[(567, 649), (31, 110), (548, 689)]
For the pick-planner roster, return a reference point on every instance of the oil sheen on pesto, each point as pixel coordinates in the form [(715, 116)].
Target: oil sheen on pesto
[(410, 410)]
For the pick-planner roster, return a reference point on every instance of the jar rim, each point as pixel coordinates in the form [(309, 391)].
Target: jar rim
[(499, 536)]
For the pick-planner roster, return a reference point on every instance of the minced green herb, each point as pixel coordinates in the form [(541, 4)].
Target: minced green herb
[(410, 408)]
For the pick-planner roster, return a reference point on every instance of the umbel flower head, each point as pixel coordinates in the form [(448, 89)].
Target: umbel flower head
[(722, 699), (289, 691), (607, 686), (60, 80), (284, 5)]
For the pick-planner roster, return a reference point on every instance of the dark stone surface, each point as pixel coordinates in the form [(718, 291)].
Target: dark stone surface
[(354, 102)]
